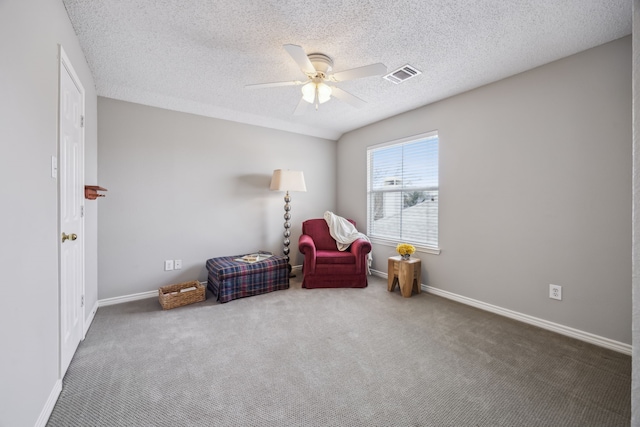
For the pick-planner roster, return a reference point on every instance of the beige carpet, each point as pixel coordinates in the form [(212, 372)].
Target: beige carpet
[(335, 357)]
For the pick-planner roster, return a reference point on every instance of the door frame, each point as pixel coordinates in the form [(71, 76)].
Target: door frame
[(65, 66)]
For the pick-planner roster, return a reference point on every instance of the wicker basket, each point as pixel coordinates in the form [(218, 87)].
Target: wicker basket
[(171, 297)]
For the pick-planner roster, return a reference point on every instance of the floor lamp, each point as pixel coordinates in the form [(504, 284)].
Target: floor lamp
[(287, 180)]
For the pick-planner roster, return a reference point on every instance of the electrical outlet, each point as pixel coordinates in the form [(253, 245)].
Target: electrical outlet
[(168, 265), (555, 292), (177, 264)]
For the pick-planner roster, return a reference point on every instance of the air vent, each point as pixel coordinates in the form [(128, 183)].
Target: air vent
[(402, 74)]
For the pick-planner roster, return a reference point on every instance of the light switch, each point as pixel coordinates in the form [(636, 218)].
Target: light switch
[(54, 167)]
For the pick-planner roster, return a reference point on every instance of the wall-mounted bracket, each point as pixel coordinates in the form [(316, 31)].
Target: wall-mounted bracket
[(91, 192)]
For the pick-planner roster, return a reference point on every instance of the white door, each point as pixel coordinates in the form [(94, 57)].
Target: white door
[(71, 205)]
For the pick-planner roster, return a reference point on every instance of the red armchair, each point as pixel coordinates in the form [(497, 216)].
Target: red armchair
[(327, 267)]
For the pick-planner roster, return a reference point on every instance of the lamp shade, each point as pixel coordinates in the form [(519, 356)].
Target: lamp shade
[(287, 180)]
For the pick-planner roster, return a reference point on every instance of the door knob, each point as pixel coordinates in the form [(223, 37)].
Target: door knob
[(65, 236)]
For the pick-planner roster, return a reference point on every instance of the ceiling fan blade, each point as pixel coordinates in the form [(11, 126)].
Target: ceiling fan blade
[(301, 108), (274, 84), (357, 73), (298, 54), (345, 96)]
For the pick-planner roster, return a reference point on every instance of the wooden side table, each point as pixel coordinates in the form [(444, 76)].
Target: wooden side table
[(406, 274)]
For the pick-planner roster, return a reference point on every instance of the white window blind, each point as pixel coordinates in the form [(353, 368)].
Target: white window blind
[(402, 188)]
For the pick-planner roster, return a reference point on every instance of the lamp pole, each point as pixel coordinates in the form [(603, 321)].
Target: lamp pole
[(287, 180), (287, 230)]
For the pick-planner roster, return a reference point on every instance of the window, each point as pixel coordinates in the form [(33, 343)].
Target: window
[(402, 191)]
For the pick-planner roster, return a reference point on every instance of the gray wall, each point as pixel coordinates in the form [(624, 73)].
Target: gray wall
[(188, 187), (30, 31), (535, 179), (635, 379)]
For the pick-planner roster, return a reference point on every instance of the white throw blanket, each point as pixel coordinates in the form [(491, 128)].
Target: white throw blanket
[(345, 233)]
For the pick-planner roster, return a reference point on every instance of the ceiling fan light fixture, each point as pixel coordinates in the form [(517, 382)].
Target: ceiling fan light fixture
[(324, 93), (310, 90)]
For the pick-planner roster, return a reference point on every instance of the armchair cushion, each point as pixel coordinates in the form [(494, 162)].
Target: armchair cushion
[(335, 257)]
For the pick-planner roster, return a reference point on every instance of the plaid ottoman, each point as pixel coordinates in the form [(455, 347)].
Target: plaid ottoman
[(229, 279)]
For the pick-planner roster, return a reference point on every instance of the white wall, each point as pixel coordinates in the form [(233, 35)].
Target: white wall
[(30, 32), (188, 187), (535, 184)]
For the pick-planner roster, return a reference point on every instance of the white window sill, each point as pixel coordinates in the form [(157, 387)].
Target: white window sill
[(392, 243)]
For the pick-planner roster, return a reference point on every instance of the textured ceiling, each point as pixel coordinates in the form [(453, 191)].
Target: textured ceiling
[(196, 56)]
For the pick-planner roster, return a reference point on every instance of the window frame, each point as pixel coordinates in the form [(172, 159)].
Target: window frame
[(420, 247)]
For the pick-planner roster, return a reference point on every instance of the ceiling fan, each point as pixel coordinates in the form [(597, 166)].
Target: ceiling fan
[(315, 90)]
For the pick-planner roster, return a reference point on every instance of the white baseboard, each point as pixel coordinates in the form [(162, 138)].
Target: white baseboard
[(525, 318), (133, 297), (541, 323), (378, 273), (48, 406), (89, 320), (126, 298)]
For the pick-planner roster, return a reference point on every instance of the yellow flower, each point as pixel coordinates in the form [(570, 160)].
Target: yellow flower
[(405, 248)]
